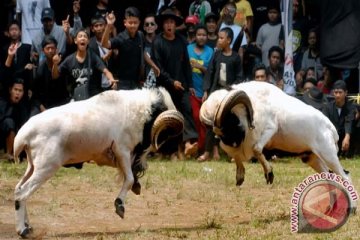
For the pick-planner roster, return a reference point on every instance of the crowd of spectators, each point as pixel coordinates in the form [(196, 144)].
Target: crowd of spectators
[(191, 48)]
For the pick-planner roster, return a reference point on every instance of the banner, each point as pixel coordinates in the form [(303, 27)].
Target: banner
[(289, 74)]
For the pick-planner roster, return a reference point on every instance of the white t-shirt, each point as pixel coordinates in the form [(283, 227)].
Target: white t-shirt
[(30, 17)]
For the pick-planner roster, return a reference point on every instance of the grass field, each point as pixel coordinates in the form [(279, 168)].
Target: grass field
[(179, 200)]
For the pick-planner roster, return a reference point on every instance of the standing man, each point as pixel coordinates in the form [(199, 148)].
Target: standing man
[(28, 12), (342, 114), (63, 34), (170, 54)]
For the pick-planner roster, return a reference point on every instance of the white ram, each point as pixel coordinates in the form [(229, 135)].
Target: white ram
[(254, 116), (114, 128)]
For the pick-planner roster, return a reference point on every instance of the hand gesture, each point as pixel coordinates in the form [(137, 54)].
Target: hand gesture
[(156, 70), (76, 7), (113, 84), (110, 18), (66, 24), (205, 96), (107, 56), (178, 85), (192, 91), (195, 64), (56, 59), (13, 49)]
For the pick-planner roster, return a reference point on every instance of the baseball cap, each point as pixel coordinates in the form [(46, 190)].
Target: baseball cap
[(47, 13)]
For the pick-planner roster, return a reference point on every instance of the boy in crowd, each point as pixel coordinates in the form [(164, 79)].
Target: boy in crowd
[(47, 92), (63, 34), (13, 114), (341, 113), (130, 44), (223, 71), (260, 73), (83, 66), (200, 55), (275, 70), (16, 59), (98, 23), (211, 20), (169, 52), (225, 66)]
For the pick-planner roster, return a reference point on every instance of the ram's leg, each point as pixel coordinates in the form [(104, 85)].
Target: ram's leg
[(32, 180), (258, 149), (123, 159), (268, 173), (240, 171)]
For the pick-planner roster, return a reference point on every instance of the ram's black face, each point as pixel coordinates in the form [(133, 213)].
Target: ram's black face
[(233, 131), (171, 141)]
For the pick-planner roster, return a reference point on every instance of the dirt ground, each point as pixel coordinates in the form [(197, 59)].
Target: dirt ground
[(78, 210), (178, 201)]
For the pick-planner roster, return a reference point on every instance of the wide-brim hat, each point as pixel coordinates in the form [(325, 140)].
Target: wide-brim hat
[(166, 14), (315, 98)]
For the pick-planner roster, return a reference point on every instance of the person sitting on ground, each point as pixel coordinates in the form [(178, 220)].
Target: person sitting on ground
[(314, 97), (259, 73), (13, 114), (341, 113)]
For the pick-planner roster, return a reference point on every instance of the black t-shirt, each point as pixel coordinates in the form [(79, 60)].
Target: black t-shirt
[(91, 70), (173, 60), (46, 90), (223, 71), (129, 61)]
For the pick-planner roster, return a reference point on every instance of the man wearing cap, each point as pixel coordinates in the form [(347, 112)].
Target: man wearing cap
[(170, 54), (341, 113), (29, 14), (63, 34)]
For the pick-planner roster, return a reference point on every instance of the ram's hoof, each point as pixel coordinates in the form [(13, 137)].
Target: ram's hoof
[(136, 188), (269, 177), (119, 207), (25, 233), (239, 181)]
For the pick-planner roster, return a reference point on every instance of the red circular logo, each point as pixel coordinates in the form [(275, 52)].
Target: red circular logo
[(325, 206)]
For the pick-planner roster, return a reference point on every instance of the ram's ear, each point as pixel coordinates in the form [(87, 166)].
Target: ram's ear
[(232, 132), (205, 115), (231, 100)]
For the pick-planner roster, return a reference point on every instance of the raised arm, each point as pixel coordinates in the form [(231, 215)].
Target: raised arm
[(55, 69), (110, 19)]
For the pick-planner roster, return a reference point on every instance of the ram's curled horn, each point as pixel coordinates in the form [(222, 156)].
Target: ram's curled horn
[(170, 119), (231, 100)]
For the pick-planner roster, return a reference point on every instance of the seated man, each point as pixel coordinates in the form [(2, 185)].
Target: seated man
[(341, 113), (13, 114)]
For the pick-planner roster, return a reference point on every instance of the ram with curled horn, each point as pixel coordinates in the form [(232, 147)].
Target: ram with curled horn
[(257, 116), (115, 128)]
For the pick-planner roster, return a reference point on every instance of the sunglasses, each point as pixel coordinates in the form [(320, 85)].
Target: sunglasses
[(149, 24)]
